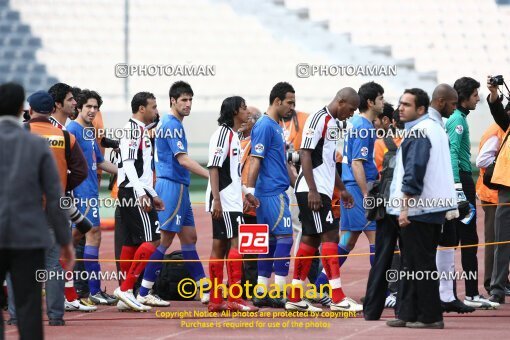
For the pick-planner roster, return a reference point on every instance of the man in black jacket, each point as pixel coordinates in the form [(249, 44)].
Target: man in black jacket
[(27, 174), (502, 221)]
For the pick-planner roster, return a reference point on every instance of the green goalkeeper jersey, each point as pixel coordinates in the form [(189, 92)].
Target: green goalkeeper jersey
[(460, 145)]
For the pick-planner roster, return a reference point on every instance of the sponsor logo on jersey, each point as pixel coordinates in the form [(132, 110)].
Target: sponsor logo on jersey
[(459, 129), (180, 145), (218, 151), (259, 148)]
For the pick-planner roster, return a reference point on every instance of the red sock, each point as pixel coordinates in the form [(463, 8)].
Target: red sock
[(69, 290), (127, 253), (70, 293), (332, 268), (301, 269), (235, 272), (143, 252), (216, 276)]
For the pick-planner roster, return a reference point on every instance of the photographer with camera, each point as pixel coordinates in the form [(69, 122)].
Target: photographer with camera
[(72, 168), (489, 146), (501, 180)]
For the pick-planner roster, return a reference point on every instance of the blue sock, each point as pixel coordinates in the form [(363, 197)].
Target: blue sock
[(196, 270), (322, 279), (372, 255), (283, 245), (342, 250), (265, 268), (152, 271), (92, 253)]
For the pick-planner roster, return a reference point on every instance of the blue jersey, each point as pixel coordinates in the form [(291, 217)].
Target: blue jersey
[(359, 144), (170, 141), (92, 153), (268, 142)]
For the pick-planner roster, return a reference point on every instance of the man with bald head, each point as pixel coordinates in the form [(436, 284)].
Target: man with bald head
[(442, 105), (314, 189), (444, 101)]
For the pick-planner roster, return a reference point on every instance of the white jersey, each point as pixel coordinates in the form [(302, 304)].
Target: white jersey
[(55, 123), (136, 145), (320, 135), (225, 154)]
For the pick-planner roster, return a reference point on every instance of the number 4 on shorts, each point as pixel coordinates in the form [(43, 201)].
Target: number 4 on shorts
[(329, 217)]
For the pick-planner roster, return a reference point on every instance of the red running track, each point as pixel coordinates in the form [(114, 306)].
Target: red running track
[(108, 323)]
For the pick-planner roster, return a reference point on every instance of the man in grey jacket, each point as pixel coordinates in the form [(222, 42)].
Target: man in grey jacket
[(29, 182)]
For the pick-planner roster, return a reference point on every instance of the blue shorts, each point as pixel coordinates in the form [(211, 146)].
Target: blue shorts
[(178, 211), (274, 211), (354, 219), (89, 207)]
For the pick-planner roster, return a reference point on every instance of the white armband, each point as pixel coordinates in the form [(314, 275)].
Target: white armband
[(247, 191)]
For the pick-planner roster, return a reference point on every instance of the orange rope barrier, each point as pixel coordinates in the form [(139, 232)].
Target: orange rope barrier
[(290, 257)]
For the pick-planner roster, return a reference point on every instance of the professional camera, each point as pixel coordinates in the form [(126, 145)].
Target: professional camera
[(293, 157), (496, 80), (82, 223), (109, 143)]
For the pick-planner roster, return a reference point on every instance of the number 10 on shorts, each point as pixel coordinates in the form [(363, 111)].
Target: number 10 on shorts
[(253, 239)]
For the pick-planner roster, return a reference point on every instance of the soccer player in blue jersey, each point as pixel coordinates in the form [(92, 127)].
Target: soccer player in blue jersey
[(359, 171), (87, 193), (268, 179), (173, 166)]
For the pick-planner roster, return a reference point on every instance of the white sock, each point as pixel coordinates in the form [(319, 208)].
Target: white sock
[(147, 284), (281, 281), (445, 261), (262, 280)]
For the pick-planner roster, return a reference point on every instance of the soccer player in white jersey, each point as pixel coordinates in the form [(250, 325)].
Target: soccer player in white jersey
[(314, 189), (225, 203), (138, 205)]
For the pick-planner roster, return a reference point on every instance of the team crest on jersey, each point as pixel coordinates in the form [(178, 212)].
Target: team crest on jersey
[(364, 151), (459, 129), (180, 145), (218, 152), (259, 148), (309, 133)]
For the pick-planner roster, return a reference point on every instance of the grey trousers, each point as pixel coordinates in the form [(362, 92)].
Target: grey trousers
[(54, 288), (502, 251)]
